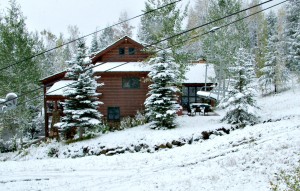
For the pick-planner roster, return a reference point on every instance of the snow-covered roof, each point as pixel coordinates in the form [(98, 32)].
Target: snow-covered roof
[(59, 87), (207, 94), (122, 67), (196, 73)]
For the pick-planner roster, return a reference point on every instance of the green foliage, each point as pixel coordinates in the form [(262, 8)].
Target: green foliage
[(81, 106), (128, 122), (221, 45), (16, 46), (53, 152), (287, 181)]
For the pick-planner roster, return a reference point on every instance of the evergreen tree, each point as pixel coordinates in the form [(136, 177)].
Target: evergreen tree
[(274, 71), (241, 100), (81, 104), (162, 100), (124, 29), (16, 45), (292, 39)]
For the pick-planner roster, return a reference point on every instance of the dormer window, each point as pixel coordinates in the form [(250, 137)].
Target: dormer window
[(121, 51), (131, 51)]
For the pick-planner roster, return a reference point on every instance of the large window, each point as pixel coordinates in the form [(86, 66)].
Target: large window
[(189, 95), (131, 83), (113, 114)]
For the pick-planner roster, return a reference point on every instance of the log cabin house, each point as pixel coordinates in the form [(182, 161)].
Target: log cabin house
[(125, 81)]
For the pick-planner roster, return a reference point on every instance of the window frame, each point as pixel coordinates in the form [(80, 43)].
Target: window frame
[(124, 79), (131, 51), (116, 113), (121, 51)]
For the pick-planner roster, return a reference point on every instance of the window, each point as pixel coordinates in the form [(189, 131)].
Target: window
[(113, 113), (189, 95), (121, 51), (131, 83), (131, 51)]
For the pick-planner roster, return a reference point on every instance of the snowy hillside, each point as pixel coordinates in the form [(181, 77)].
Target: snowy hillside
[(245, 159)]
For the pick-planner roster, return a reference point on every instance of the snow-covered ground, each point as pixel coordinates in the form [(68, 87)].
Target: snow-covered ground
[(246, 159)]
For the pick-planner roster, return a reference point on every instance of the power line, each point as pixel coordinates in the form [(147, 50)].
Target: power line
[(223, 26), (197, 36), (211, 22), (82, 37)]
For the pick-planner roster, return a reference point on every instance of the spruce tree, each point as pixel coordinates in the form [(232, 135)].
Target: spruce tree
[(291, 31), (240, 102), (274, 72), (162, 100), (80, 107)]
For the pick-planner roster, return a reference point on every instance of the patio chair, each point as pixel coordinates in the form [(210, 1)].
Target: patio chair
[(191, 111)]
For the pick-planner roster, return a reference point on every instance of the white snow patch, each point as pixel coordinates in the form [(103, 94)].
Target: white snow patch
[(246, 159)]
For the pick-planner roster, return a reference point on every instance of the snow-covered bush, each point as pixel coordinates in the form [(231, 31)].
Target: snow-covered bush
[(241, 100), (10, 145), (138, 119), (287, 181)]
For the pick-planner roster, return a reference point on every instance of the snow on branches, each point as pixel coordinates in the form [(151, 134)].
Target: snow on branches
[(82, 102), (241, 100), (162, 101)]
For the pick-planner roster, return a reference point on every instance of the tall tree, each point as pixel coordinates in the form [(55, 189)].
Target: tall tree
[(164, 23), (54, 61), (274, 71), (81, 105), (106, 37), (220, 46), (16, 45), (241, 100), (162, 100), (292, 39), (94, 44), (124, 29), (257, 26)]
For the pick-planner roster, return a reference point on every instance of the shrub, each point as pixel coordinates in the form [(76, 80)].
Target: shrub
[(53, 152), (287, 181)]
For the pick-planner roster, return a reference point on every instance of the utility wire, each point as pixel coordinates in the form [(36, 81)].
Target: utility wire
[(197, 36), (211, 22), (223, 26), (82, 37)]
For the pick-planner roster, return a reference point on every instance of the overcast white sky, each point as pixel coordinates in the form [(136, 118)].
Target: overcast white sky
[(56, 15)]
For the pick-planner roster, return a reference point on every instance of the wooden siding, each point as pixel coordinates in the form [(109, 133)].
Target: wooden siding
[(112, 53), (113, 95)]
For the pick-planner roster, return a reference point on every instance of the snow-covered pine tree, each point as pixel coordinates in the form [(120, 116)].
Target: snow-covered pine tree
[(241, 100), (81, 105), (274, 73), (292, 39), (162, 100)]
